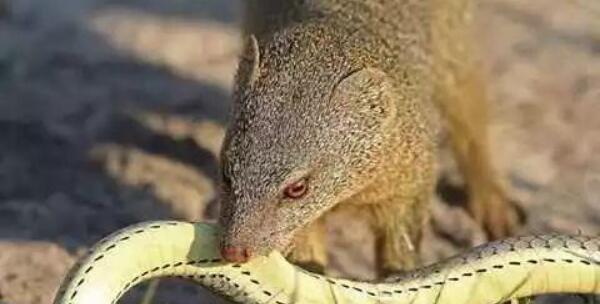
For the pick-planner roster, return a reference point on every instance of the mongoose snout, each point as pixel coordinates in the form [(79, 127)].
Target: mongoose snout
[(235, 254)]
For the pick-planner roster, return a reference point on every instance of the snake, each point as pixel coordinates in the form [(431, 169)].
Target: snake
[(491, 273)]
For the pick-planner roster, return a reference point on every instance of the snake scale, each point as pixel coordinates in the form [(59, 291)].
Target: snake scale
[(491, 273)]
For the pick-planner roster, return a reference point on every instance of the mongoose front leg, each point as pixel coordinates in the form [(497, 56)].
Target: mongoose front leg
[(310, 251), (395, 251), (461, 96), (398, 229), (467, 119)]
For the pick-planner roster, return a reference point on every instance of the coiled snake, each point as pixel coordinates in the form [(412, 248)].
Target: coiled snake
[(491, 273)]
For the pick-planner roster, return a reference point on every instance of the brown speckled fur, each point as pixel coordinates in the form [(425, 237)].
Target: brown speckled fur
[(342, 91)]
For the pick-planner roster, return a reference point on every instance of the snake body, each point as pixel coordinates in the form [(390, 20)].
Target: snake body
[(491, 273)]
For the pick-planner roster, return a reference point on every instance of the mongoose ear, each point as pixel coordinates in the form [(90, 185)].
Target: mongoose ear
[(368, 93), (249, 62)]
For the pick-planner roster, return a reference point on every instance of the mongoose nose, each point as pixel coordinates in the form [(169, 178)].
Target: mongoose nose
[(235, 254)]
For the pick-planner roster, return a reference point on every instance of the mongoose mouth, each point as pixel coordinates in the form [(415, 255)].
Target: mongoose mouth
[(236, 249), (236, 254), (493, 273)]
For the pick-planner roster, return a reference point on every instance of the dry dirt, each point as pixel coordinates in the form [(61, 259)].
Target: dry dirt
[(112, 112)]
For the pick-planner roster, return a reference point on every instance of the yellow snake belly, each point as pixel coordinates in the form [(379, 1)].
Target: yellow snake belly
[(491, 273)]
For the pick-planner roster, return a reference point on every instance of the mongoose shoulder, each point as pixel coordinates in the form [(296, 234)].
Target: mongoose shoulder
[(334, 108)]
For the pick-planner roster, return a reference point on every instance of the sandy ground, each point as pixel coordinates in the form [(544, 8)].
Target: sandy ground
[(112, 114)]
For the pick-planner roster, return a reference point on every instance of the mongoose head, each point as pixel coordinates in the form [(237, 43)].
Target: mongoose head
[(308, 131)]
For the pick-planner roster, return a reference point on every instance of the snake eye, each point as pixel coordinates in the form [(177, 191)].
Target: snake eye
[(296, 189)]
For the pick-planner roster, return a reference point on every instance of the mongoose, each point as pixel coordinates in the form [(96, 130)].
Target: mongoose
[(336, 105)]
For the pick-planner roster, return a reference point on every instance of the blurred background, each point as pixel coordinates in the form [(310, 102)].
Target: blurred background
[(112, 112)]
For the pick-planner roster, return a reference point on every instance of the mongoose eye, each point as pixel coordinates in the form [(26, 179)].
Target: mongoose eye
[(296, 189)]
